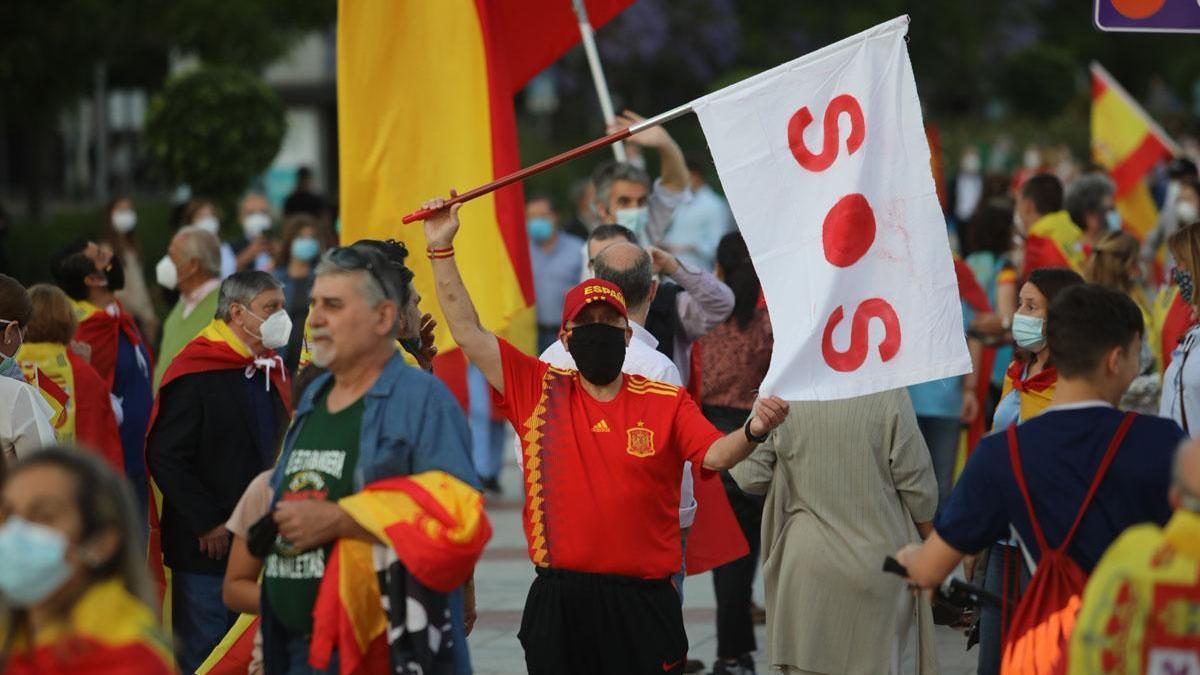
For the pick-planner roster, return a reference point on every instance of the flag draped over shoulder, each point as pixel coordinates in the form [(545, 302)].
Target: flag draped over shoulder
[(215, 348), (425, 95), (1128, 143), (100, 330), (1035, 391), (109, 632), (434, 529)]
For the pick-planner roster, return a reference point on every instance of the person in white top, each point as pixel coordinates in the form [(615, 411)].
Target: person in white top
[(1181, 381), (24, 415)]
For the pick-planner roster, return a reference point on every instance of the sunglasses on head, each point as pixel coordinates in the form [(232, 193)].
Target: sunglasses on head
[(352, 258)]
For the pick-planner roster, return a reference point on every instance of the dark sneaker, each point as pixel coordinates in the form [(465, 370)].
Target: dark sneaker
[(743, 666)]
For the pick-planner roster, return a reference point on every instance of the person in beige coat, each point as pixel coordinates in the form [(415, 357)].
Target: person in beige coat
[(847, 483)]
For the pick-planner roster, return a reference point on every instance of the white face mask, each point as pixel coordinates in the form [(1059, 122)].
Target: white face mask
[(166, 274), (209, 224), (633, 219), (1186, 212), (124, 220), (254, 224), (275, 329)]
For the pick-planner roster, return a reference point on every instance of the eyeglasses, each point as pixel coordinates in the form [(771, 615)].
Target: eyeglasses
[(348, 257)]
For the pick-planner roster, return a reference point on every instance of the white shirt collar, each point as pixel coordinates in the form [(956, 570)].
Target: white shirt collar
[(642, 335), (1094, 403), (193, 299)]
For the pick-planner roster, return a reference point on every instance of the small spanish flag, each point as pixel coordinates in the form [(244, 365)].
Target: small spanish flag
[(435, 529), (1035, 391), (1128, 143)]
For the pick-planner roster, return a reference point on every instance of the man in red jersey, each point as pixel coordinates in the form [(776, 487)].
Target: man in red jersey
[(602, 456)]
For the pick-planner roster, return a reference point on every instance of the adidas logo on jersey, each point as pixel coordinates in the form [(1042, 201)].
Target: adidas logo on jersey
[(600, 426)]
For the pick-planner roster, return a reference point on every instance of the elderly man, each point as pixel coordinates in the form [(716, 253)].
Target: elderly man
[(603, 455), (1089, 202), (193, 267), (1133, 615), (624, 193), (221, 410), (684, 309), (371, 417)]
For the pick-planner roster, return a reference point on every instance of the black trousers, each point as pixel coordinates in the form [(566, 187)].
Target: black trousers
[(734, 581), (597, 624)]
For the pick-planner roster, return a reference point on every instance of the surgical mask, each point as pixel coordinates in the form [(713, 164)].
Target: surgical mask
[(1186, 212), (8, 364), (166, 274), (539, 229), (33, 561), (254, 224), (1183, 279), (633, 219), (1027, 332), (209, 224), (124, 220), (275, 329), (1113, 219), (305, 248), (598, 350)]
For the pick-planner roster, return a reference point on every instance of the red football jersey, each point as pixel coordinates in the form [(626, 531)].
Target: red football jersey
[(601, 478)]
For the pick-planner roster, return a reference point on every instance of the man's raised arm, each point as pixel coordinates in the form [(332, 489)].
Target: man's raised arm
[(480, 346)]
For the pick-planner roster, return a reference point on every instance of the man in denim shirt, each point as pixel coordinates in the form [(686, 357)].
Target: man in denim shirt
[(371, 417)]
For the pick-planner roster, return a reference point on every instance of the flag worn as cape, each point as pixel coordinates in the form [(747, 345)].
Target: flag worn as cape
[(436, 527), (109, 632), (100, 330), (1035, 391), (1173, 318), (1128, 143), (215, 348), (1053, 241), (425, 99), (74, 389)]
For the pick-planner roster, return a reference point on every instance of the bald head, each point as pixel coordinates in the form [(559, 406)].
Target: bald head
[(1185, 477), (628, 266)]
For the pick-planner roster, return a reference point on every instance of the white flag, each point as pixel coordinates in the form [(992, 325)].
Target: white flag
[(826, 166)]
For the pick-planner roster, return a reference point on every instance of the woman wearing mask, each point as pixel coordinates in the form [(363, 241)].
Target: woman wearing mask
[(73, 573), (204, 214), (734, 358), (135, 296), (1181, 381), (1115, 264), (304, 240), (1028, 387), (83, 407), (24, 416)]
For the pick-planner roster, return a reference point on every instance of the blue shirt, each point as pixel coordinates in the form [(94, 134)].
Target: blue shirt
[(132, 385), (1060, 453), (940, 398), (554, 273), (697, 227)]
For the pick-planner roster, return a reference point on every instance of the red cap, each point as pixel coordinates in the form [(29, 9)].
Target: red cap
[(592, 290)]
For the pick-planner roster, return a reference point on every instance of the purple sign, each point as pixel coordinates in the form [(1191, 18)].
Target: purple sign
[(1149, 16)]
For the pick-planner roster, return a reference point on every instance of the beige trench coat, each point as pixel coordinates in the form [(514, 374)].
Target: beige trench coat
[(844, 482)]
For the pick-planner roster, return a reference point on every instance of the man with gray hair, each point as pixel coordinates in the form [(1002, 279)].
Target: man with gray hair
[(1134, 613), (192, 266), (373, 417), (1090, 203), (220, 412), (624, 193)]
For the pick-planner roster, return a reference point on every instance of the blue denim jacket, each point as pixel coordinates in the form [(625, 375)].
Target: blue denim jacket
[(411, 423)]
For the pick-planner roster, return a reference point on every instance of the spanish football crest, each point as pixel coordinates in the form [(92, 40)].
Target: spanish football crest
[(641, 441)]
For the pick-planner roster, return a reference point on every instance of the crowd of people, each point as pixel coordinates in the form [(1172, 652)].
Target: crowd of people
[(274, 463)]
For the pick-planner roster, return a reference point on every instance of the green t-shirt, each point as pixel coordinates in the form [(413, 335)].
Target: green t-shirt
[(320, 466)]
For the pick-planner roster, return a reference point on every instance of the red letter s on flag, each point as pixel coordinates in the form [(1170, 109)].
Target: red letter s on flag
[(802, 118), (853, 358)]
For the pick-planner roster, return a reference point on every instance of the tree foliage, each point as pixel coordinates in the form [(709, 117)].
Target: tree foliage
[(215, 129)]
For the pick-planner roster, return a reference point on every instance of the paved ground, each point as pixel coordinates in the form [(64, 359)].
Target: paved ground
[(503, 577)]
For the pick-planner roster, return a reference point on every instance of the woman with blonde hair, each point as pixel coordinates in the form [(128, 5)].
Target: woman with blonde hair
[(1116, 264), (1181, 381)]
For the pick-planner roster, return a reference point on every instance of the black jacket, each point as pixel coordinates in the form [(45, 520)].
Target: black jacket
[(203, 450)]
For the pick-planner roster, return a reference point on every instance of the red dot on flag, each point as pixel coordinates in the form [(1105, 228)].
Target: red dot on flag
[(1137, 9), (848, 230)]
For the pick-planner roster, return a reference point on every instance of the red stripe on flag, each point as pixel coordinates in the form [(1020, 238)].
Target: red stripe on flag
[(1130, 171), (1098, 86), (48, 385)]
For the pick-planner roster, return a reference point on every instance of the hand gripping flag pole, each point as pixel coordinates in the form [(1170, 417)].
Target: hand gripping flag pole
[(554, 161)]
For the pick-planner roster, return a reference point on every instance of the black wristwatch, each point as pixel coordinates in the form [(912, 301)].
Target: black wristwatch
[(751, 437)]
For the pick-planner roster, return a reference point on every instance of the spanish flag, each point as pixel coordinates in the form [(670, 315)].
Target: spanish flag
[(108, 632), (215, 348), (100, 330), (1127, 143), (434, 528), (235, 652), (425, 100), (1035, 391), (1172, 320)]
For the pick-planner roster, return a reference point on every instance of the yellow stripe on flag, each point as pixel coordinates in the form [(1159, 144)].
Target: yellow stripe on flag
[(1138, 212)]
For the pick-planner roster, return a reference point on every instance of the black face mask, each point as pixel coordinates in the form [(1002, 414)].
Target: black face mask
[(115, 274), (598, 350)]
